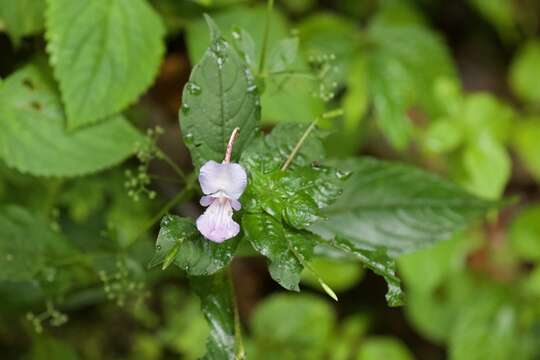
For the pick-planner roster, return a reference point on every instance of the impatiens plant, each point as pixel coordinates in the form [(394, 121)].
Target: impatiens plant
[(278, 195)]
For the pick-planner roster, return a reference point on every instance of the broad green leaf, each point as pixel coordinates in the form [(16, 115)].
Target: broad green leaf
[(269, 152), (218, 308), (525, 143), (443, 136), (377, 348), (287, 98), (380, 263), (22, 17), (23, 242), (355, 101), (283, 55), (525, 72), (485, 113), (286, 251), (400, 75), (340, 275), (524, 233), (220, 96), (397, 207), (105, 54), (487, 167), (287, 324), (180, 242), (33, 138)]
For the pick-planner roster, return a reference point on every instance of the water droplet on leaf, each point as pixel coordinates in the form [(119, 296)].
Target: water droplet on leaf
[(193, 88)]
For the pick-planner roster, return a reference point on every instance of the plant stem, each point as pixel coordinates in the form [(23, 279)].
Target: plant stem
[(240, 352), (173, 165), (270, 6), (326, 115)]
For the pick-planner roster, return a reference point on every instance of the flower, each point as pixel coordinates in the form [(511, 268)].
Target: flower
[(222, 184)]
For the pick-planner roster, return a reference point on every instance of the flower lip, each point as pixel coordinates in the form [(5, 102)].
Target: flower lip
[(227, 178)]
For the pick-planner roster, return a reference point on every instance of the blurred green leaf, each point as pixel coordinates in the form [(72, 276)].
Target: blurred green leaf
[(218, 308), (33, 135), (377, 348), (105, 54), (219, 96), (401, 76), (283, 54), (500, 13), (397, 207), (524, 233), (23, 239), (525, 142), (22, 17), (525, 72), (287, 326), (46, 348), (287, 98), (286, 251), (487, 166), (180, 242), (339, 275), (443, 136)]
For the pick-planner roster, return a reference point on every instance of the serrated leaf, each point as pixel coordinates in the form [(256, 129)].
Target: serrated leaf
[(286, 98), (380, 263), (220, 96), (218, 309), (35, 141), (397, 207), (180, 242), (22, 17), (268, 153), (286, 251), (23, 242), (105, 54)]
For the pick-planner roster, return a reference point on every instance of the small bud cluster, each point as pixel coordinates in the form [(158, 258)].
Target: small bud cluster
[(52, 315), (137, 182), (325, 71), (120, 284)]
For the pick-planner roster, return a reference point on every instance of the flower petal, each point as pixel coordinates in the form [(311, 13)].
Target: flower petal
[(216, 224), (230, 178), (207, 200)]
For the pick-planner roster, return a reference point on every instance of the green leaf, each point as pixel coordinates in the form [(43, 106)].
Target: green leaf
[(44, 348), (286, 251), (340, 275), (24, 239), (22, 17), (487, 167), (525, 143), (217, 306), (268, 153), (286, 98), (33, 137), (283, 55), (397, 207), (524, 234), (180, 242), (286, 324), (400, 75), (220, 96), (105, 54), (525, 72), (380, 263), (501, 13), (377, 348)]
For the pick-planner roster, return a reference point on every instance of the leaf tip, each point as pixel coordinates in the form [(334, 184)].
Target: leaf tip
[(215, 33)]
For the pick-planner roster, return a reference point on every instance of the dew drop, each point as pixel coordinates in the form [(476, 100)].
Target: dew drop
[(236, 33), (188, 138), (343, 174), (252, 89), (158, 247), (185, 109), (193, 88)]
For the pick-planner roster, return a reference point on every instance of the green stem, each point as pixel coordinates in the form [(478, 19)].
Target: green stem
[(326, 115), (240, 351), (173, 165), (270, 6)]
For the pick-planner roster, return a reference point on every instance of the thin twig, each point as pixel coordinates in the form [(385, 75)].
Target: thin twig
[(240, 352), (173, 165), (265, 36)]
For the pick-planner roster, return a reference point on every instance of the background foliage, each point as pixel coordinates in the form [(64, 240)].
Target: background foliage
[(419, 186)]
